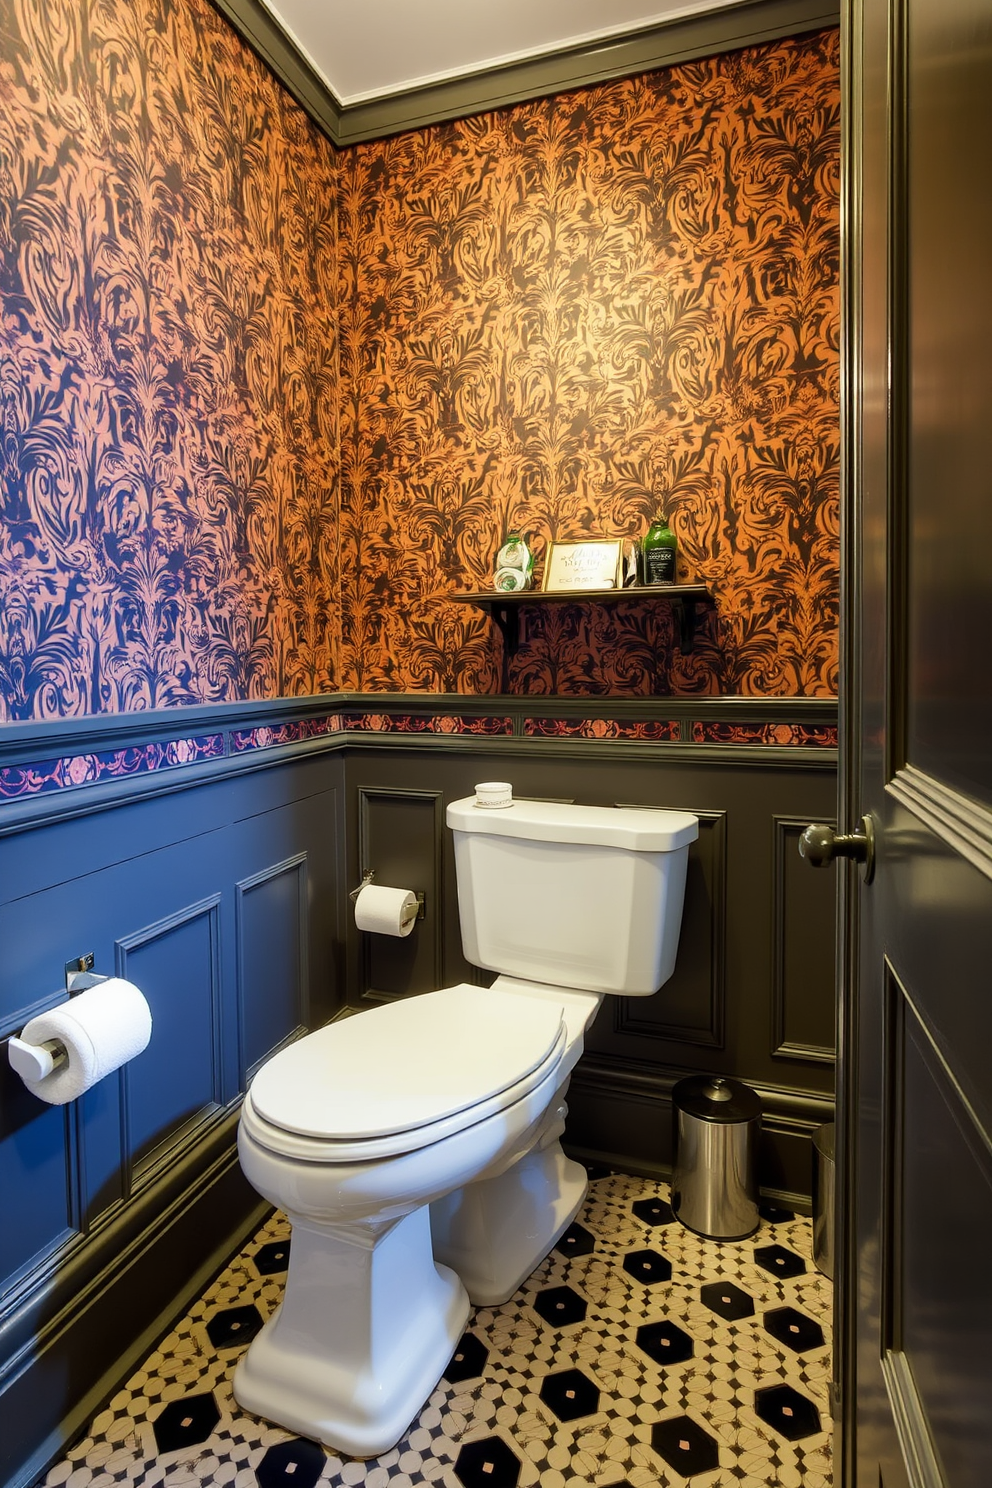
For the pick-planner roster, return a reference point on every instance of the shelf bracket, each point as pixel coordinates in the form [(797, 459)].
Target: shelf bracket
[(507, 617), (685, 619)]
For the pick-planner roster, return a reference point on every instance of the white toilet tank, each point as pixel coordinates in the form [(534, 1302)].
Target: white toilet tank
[(572, 896)]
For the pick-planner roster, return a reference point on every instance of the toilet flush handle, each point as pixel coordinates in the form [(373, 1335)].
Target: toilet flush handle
[(820, 845)]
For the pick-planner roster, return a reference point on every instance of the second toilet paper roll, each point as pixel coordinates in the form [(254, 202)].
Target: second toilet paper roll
[(386, 911)]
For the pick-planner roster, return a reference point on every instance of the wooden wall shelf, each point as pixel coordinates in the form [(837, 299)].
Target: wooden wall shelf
[(505, 608)]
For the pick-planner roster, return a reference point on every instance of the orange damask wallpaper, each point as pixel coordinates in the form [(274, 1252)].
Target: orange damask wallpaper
[(558, 316), (168, 508), (549, 318)]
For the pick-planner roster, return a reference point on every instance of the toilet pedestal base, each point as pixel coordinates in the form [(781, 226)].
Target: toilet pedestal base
[(367, 1324), (494, 1233)]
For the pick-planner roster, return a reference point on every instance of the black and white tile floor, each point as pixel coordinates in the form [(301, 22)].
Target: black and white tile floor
[(637, 1354)]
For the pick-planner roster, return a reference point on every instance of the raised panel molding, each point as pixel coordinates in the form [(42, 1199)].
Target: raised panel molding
[(790, 941), (171, 975), (272, 971), (401, 841), (700, 986)]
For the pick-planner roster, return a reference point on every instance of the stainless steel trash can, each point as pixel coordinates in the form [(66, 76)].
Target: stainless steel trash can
[(714, 1180), (824, 1200)]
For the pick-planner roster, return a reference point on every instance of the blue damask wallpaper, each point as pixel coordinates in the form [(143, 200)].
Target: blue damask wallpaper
[(167, 352)]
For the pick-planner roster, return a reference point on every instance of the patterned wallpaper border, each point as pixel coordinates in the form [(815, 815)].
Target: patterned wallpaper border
[(86, 768)]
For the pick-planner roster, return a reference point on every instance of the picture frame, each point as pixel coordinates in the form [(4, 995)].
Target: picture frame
[(583, 566)]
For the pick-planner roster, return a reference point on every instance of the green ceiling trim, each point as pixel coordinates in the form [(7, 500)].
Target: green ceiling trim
[(681, 40)]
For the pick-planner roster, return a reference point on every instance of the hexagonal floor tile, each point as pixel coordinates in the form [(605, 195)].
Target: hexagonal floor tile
[(468, 1361), (291, 1464), (576, 1241), (560, 1306), (272, 1258), (186, 1422), (570, 1395), (727, 1300), (487, 1464), (652, 1211), (787, 1412), (685, 1446), (647, 1266), (234, 1326), (779, 1261), (797, 1331), (665, 1343)]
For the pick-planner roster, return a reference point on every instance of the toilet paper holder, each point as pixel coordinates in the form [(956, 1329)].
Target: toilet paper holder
[(35, 1061), (369, 876)]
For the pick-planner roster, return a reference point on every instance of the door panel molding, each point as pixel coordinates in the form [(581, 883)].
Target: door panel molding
[(958, 820)]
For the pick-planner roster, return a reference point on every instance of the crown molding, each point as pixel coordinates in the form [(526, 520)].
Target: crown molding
[(680, 40)]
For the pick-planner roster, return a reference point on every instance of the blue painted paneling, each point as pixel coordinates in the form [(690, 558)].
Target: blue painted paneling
[(272, 940), (176, 963), (37, 1177)]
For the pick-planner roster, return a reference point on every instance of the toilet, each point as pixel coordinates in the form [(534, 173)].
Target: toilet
[(415, 1148)]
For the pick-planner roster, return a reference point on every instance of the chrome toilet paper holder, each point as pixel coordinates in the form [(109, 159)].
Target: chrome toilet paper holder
[(34, 1061), (369, 876)]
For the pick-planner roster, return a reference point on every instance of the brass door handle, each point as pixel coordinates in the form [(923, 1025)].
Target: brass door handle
[(820, 845)]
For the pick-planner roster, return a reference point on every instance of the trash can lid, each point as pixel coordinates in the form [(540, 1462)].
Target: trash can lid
[(716, 1098)]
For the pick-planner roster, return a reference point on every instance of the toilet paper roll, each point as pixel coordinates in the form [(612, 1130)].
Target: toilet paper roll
[(386, 911), (101, 1029)]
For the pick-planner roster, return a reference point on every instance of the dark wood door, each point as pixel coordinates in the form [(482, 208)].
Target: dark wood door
[(916, 1168)]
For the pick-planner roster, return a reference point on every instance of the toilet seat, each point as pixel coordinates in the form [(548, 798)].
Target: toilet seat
[(402, 1076)]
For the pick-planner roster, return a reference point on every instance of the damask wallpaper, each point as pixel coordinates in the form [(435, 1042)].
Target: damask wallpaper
[(557, 318), (168, 509), (552, 318)]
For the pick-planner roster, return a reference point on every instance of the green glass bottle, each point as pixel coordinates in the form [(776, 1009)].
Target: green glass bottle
[(659, 549)]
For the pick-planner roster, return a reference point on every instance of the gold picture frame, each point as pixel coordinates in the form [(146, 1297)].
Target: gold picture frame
[(583, 566)]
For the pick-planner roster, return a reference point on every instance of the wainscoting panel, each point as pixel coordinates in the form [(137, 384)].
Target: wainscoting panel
[(692, 1009), (802, 975), (273, 944), (217, 900), (176, 963), (399, 833)]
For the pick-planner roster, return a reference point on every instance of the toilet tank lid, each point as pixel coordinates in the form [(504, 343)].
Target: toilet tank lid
[(406, 1065), (638, 829)]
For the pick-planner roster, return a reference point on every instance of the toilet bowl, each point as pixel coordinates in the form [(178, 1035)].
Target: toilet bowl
[(415, 1148), (369, 1319)]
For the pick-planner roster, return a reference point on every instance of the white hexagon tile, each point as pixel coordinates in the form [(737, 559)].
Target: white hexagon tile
[(637, 1355)]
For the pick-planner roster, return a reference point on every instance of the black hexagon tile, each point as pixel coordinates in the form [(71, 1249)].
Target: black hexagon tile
[(186, 1422), (665, 1343), (233, 1326), (291, 1464), (779, 1261), (652, 1211), (468, 1361), (685, 1446), (797, 1331), (647, 1266), (560, 1306), (570, 1395), (576, 1241), (272, 1258), (726, 1299), (787, 1412), (487, 1464)]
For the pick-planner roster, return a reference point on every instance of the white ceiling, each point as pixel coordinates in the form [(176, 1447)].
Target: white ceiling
[(366, 49)]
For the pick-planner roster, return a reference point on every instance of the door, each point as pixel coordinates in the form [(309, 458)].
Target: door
[(916, 1112)]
